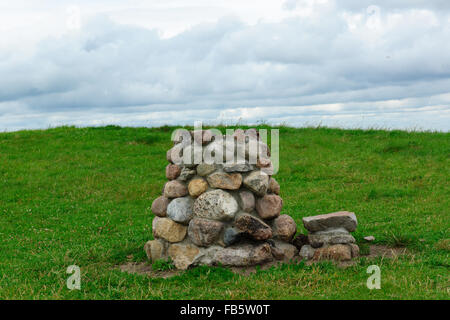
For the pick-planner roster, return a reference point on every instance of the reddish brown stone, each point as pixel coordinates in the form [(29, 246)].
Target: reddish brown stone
[(172, 171), (284, 228), (337, 252), (274, 187), (269, 206), (159, 206), (222, 180), (247, 201)]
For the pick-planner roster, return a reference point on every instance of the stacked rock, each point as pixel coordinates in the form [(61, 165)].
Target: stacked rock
[(220, 213), (329, 237)]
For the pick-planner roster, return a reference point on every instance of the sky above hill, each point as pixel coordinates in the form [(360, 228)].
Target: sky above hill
[(346, 63)]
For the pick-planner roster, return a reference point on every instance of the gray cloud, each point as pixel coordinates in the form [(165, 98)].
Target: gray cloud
[(107, 70)]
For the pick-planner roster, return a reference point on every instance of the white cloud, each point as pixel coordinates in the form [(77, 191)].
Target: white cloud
[(307, 62)]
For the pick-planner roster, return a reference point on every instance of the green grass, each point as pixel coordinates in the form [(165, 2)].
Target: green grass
[(82, 196)]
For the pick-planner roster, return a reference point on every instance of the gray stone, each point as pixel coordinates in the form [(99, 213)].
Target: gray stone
[(246, 201), (283, 251), (369, 238), (216, 205), (203, 169), (322, 222), (237, 167), (180, 210), (231, 236), (330, 236), (307, 252), (204, 232), (243, 255), (186, 174), (253, 227), (257, 182)]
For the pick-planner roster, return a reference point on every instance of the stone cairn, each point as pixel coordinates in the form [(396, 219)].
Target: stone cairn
[(228, 213)]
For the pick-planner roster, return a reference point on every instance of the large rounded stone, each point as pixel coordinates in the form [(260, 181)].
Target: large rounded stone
[(274, 187), (222, 180), (197, 186), (284, 228), (307, 252), (204, 232), (247, 201), (338, 252), (172, 171), (175, 189), (168, 229), (269, 206), (237, 167), (257, 182), (243, 255), (154, 249), (183, 255), (341, 219), (180, 210), (203, 169), (215, 205), (159, 206), (253, 227)]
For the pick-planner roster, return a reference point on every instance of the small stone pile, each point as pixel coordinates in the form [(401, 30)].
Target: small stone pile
[(329, 237), (221, 213)]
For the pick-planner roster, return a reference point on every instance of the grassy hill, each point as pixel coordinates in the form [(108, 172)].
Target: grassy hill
[(82, 196)]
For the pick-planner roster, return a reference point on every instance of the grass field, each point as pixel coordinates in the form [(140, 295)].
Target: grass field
[(82, 196)]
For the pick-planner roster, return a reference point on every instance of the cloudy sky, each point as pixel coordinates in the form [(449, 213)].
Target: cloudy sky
[(346, 63)]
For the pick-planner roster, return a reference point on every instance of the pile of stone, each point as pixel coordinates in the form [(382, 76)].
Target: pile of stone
[(216, 213), (329, 237)]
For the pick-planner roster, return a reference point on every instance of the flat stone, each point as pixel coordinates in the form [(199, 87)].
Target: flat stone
[(369, 238), (284, 228), (253, 227), (216, 205), (155, 249), (337, 252), (300, 240), (237, 167), (159, 206), (168, 229), (322, 222), (186, 174), (223, 180), (307, 252), (330, 236), (183, 255), (197, 186), (243, 255), (231, 236), (172, 171), (246, 201), (203, 169), (274, 187), (204, 232), (258, 182), (283, 251), (269, 170), (269, 206), (175, 189), (180, 210)]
